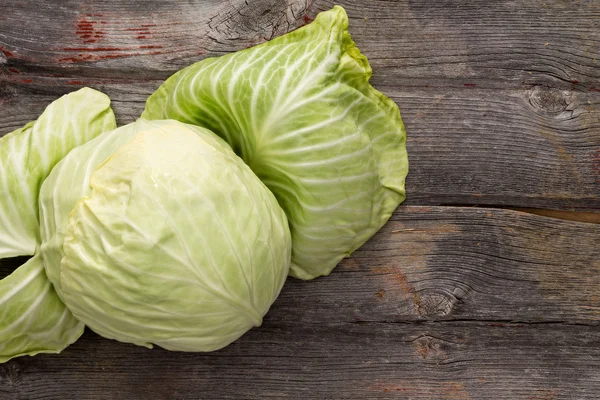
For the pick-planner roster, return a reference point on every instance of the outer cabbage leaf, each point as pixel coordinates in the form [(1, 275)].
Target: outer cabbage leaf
[(301, 112), (68, 182), (28, 154), (178, 243), (32, 317)]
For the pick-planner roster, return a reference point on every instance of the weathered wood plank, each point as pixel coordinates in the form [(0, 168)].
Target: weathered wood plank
[(324, 360), (451, 263), (137, 37), (533, 144), (591, 217), (448, 263), (493, 44), (444, 302), (533, 147), (497, 44), (502, 106)]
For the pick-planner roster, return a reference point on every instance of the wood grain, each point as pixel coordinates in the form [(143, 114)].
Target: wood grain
[(501, 107), (501, 101), (144, 38), (448, 263), (443, 303), (450, 360), (498, 44), (467, 146), (590, 217)]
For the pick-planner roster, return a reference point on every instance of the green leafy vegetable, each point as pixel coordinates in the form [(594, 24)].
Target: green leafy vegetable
[(158, 233), (28, 154), (65, 186), (300, 111), (171, 241), (32, 318)]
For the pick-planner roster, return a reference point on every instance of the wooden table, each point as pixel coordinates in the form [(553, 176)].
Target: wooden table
[(473, 290)]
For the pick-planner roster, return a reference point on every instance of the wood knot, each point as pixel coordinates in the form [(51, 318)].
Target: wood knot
[(10, 375), (430, 348), (436, 305), (256, 22), (548, 100)]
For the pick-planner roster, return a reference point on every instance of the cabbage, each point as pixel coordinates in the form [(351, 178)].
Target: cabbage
[(301, 113), (158, 233), (172, 240), (32, 317)]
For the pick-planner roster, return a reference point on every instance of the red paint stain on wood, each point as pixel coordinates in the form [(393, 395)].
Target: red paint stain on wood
[(422, 209), (470, 84), (93, 49), (6, 52), (110, 56), (75, 83), (430, 348), (434, 390), (594, 89), (14, 70), (394, 388), (394, 277), (85, 28), (79, 58), (350, 264), (26, 80)]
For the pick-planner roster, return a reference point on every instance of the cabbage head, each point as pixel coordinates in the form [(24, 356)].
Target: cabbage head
[(157, 233), (301, 113)]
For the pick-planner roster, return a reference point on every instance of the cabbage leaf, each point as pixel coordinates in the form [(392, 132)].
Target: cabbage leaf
[(300, 111), (32, 317)]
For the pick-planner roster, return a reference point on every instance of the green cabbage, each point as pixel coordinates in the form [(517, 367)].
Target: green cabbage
[(301, 113), (158, 233), (32, 317), (171, 241)]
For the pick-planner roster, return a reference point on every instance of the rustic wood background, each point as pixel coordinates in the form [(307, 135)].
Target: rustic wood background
[(484, 285)]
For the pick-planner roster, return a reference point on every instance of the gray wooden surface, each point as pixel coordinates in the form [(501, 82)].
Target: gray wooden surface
[(458, 297)]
